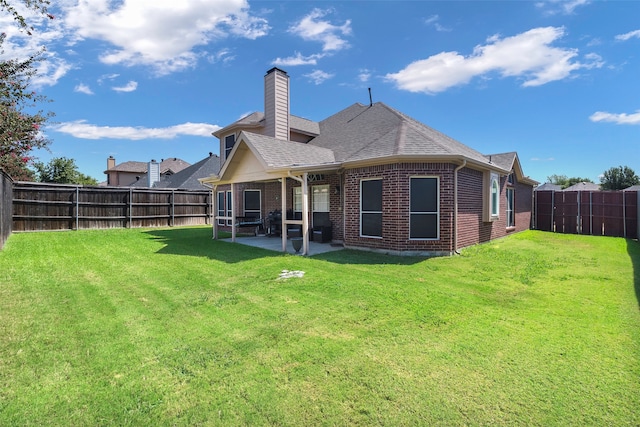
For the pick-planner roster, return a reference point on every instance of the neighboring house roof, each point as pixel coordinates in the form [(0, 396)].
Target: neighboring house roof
[(186, 179), (256, 120), (133, 167), (632, 188), (172, 165), (583, 186), (547, 186)]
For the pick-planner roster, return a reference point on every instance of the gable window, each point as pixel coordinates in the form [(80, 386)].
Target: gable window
[(511, 220), (229, 141), (424, 202), (252, 203), (371, 208)]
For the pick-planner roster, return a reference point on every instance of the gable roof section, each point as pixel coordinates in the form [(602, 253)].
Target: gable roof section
[(511, 162), (378, 132), (258, 157), (256, 121), (172, 165), (547, 186)]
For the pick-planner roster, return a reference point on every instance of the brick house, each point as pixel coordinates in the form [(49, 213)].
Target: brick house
[(369, 177)]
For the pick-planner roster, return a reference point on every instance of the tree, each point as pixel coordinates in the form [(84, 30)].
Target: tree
[(20, 132), (618, 178), (62, 170), (565, 182)]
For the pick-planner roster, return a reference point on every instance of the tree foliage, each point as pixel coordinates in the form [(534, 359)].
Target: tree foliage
[(564, 181), (62, 170), (618, 178), (20, 121)]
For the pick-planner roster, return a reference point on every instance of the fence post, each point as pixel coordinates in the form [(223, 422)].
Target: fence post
[(624, 214), (130, 207), (77, 208), (638, 215), (173, 208)]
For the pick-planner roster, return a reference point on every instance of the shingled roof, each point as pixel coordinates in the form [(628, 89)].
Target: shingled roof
[(361, 132)]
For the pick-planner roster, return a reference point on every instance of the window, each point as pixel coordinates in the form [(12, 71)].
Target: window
[(371, 208), (495, 195), (220, 207), (229, 141), (297, 199), (229, 205), (252, 203), (320, 202), (511, 220), (424, 202)]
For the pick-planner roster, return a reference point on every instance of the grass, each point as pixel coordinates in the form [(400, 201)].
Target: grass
[(167, 327)]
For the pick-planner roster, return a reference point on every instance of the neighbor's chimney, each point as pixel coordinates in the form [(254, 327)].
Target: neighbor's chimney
[(111, 162), (153, 172), (276, 104)]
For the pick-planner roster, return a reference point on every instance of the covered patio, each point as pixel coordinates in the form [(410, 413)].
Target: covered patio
[(275, 244), (261, 159)]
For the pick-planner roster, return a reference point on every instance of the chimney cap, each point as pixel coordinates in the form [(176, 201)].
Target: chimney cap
[(274, 69)]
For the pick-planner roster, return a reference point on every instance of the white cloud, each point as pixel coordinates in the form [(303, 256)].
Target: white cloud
[(83, 88), (538, 159), (162, 34), (619, 119), (566, 7), (528, 56), (629, 35), (82, 129), (312, 27), (364, 76), (297, 59), (21, 46), (434, 20), (129, 87), (318, 76)]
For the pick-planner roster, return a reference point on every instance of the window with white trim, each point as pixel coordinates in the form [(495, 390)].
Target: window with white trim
[(320, 200), (424, 203), (495, 195), (220, 207), (252, 203), (371, 208), (229, 205), (297, 199), (229, 142), (511, 219)]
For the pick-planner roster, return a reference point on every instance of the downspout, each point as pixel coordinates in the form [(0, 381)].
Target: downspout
[(455, 206)]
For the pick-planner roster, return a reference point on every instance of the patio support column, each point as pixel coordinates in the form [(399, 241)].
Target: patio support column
[(233, 212), (214, 210), (305, 214), (283, 209)]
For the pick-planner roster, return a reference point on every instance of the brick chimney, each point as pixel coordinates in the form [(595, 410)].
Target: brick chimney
[(111, 162), (276, 104)]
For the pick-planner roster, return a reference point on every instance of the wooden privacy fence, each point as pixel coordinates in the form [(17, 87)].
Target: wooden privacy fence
[(598, 213), (40, 207), (6, 207)]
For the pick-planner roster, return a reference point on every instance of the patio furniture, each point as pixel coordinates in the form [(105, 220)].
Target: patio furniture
[(249, 221)]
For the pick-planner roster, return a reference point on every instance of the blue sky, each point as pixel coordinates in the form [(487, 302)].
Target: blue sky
[(556, 81)]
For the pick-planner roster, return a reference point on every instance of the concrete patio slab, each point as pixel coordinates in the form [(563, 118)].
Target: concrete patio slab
[(275, 244)]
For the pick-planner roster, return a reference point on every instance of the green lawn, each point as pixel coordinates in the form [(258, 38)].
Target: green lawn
[(167, 327)]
